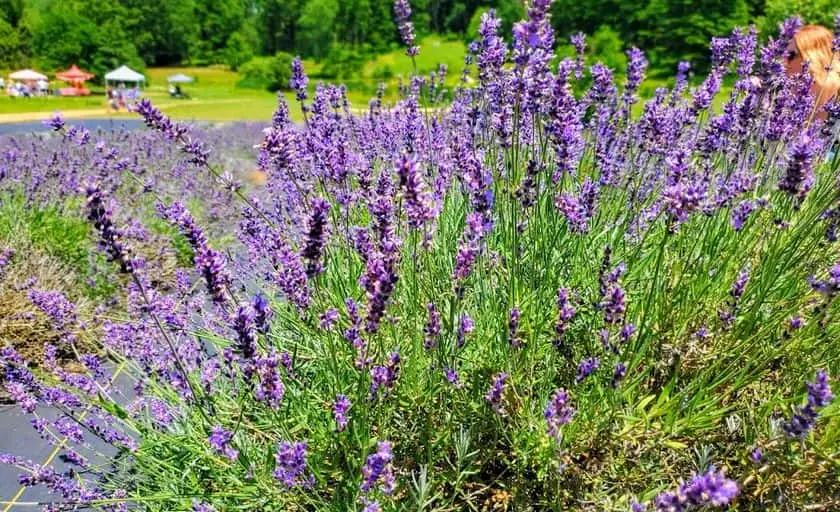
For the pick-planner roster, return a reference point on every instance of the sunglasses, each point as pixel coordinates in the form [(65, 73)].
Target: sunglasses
[(791, 54)]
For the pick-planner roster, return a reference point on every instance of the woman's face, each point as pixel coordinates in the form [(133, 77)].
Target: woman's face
[(793, 61)]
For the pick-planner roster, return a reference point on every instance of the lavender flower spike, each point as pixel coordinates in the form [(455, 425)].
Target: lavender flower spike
[(377, 469), (299, 80), (558, 412), (316, 237), (220, 442), (402, 12), (111, 239), (586, 368), (709, 489), (291, 466), (819, 396), (341, 405), (495, 393)]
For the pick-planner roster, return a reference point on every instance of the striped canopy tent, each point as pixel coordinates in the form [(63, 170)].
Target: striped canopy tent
[(74, 76)]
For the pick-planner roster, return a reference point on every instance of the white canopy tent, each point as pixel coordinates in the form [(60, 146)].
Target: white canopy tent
[(124, 74), (27, 75)]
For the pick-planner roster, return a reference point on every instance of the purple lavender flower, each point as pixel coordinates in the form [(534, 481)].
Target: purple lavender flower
[(402, 12), (378, 470), (635, 506), (453, 377), (740, 284), (574, 211), (618, 374), (492, 51), (819, 396), (614, 305), (270, 389), (514, 338), (636, 66), (831, 286), (419, 206), (56, 122), (220, 442), (626, 333), (469, 246), (316, 237), (209, 262), (586, 367), (341, 406), (61, 312), (682, 199), (432, 328), (558, 412), (799, 174), (709, 489), (371, 505), (198, 506), (465, 326), (741, 212), (796, 323), (328, 319), (757, 456), (291, 466), (262, 313), (495, 394), (566, 312), (380, 279), (246, 336), (578, 41), (384, 376), (156, 120), (6, 256), (111, 239), (299, 80), (835, 43)]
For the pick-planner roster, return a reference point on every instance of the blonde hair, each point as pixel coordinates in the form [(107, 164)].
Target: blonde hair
[(813, 42)]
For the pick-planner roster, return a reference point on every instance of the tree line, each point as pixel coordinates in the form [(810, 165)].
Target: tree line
[(101, 34)]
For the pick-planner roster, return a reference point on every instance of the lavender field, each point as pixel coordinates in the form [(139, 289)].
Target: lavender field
[(534, 291)]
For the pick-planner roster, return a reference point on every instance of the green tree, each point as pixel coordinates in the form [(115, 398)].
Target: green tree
[(12, 11), (11, 54), (217, 21), (316, 34), (509, 11), (605, 45), (63, 36), (279, 24), (818, 12), (673, 30), (239, 49), (163, 32)]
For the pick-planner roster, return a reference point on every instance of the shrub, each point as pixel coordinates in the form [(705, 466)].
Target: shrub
[(343, 62), (238, 51), (272, 73), (383, 72)]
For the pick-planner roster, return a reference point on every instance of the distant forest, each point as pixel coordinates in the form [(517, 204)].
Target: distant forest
[(100, 34)]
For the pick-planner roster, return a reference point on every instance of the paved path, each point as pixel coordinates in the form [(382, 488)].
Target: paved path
[(19, 438), (91, 124)]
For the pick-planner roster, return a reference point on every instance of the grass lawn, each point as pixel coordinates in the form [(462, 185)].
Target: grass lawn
[(433, 52), (214, 96), (10, 105)]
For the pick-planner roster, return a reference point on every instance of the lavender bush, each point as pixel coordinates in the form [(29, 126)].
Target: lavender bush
[(530, 298)]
